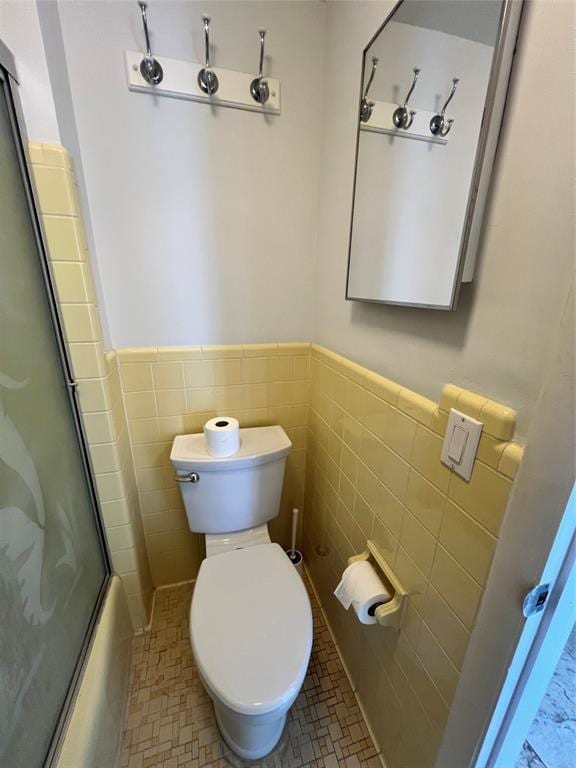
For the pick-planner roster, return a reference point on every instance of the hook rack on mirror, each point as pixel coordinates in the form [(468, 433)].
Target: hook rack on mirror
[(382, 121), (403, 120), (205, 83)]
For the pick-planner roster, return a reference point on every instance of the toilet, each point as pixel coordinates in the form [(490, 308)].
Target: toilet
[(250, 618)]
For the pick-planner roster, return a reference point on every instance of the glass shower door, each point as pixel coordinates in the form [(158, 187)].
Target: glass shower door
[(53, 569)]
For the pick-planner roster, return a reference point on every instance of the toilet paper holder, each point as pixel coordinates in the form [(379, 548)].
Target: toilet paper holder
[(389, 614)]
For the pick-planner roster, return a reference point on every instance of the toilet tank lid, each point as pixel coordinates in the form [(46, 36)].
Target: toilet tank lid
[(258, 445)]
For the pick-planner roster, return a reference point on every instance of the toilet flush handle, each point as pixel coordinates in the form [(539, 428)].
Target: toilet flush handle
[(191, 477)]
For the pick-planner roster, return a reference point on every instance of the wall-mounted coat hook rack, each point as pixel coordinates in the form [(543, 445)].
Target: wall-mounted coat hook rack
[(259, 87), (150, 69), (207, 78), (366, 106), (439, 126), (402, 117), (202, 83)]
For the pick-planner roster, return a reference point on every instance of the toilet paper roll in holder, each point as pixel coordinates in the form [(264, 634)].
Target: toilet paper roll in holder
[(388, 614)]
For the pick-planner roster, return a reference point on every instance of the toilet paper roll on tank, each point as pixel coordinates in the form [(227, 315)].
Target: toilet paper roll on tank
[(222, 436), (362, 588)]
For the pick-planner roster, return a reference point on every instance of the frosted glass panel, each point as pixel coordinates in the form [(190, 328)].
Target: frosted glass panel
[(51, 563)]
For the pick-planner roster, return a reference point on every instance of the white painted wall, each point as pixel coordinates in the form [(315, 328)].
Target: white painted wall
[(204, 220), (205, 224), (546, 476), (497, 342), (535, 511), (20, 31)]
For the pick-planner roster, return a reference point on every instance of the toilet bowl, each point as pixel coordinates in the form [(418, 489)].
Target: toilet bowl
[(251, 632), (250, 617)]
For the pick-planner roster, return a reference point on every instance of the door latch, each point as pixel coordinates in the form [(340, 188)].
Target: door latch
[(535, 600)]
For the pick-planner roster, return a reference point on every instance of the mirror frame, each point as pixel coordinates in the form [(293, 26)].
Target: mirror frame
[(494, 105)]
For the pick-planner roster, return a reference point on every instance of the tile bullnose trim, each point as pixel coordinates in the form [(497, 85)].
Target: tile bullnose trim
[(499, 419), (497, 449), (212, 352)]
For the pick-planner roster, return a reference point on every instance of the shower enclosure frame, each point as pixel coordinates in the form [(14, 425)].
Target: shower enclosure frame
[(9, 86)]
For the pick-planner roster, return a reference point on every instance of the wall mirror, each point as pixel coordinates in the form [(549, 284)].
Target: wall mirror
[(434, 82)]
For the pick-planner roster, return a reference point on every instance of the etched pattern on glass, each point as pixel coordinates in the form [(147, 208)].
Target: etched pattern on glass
[(51, 561)]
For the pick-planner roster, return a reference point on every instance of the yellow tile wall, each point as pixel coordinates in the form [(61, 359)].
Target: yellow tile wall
[(99, 392), (170, 391), (373, 471)]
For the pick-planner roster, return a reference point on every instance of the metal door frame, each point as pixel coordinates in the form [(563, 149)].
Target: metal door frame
[(539, 648)]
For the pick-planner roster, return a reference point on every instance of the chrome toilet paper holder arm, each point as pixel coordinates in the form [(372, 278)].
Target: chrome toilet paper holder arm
[(389, 614)]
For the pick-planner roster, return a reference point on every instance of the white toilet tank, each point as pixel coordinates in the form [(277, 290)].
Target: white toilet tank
[(222, 495)]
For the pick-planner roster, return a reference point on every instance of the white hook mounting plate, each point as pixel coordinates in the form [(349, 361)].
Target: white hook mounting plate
[(180, 82), (381, 122)]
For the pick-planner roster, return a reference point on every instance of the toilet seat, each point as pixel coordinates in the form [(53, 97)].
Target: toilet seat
[(251, 629)]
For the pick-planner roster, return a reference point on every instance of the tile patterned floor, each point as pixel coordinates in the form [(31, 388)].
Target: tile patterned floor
[(170, 720), (551, 741)]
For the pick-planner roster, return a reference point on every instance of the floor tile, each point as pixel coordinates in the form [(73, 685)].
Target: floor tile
[(170, 720), (551, 741)]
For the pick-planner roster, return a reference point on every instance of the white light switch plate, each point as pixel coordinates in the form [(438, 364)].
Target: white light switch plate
[(463, 445)]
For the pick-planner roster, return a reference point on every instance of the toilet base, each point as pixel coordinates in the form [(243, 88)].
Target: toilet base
[(251, 737)]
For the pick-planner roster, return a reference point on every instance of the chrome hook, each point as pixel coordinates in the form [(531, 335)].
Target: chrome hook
[(207, 78), (402, 118), (366, 106), (259, 89), (150, 69), (439, 126)]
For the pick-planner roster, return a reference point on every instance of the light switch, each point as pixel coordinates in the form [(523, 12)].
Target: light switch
[(461, 443), (457, 444)]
